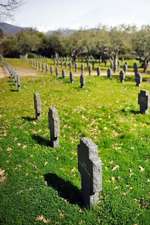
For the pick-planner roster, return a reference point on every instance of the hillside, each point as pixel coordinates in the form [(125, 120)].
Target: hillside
[(10, 29)]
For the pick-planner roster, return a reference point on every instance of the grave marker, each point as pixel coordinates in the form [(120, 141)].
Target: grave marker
[(63, 73), (90, 168), (109, 73), (98, 71), (90, 69), (18, 82), (76, 67), (82, 80), (135, 67), (138, 79), (144, 101), (56, 70), (125, 67), (122, 76), (51, 70), (54, 126), (71, 77), (82, 68), (37, 105)]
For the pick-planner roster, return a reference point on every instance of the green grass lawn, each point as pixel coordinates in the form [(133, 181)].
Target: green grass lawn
[(105, 111)]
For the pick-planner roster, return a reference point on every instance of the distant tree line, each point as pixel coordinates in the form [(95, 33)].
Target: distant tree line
[(122, 42)]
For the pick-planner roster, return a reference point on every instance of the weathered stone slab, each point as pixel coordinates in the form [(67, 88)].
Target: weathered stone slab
[(71, 77), (46, 68), (42, 67), (135, 67), (18, 82), (98, 72), (63, 73), (138, 79), (90, 168), (90, 69), (51, 70), (125, 67), (76, 67), (70, 65), (122, 76), (144, 101), (82, 80), (93, 65), (54, 126), (109, 73), (56, 71), (82, 68), (37, 105)]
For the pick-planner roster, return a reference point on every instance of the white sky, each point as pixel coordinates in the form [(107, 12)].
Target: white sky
[(53, 14)]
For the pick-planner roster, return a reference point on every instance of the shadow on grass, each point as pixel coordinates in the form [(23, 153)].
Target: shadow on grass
[(135, 112), (10, 81), (41, 140), (78, 88), (13, 90), (27, 118), (65, 189)]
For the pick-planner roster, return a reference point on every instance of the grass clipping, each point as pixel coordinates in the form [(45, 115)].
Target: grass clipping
[(2, 176)]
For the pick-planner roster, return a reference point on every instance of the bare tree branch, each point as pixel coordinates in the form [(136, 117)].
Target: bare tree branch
[(7, 7)]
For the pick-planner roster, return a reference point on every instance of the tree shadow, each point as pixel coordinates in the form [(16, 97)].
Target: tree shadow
[(27, 118), (64, 188), (41, 140)]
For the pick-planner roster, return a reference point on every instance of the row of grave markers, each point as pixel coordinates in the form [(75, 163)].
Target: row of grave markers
[(13, 74), (43, 67), (69, 62), (89, 65), (89, 164)]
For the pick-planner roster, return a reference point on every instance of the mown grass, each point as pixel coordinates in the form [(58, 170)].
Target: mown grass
[(105, 111)]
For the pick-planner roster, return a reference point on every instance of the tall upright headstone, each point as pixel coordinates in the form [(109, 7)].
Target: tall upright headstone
[(82, 80), (93, 65), (63, 73), (37, 105), (90, 69), (135, 67), (18, 82), (70, 65), (125, 67), (98, 71), (38, 66), (51, 70), (144, 101), (90, 168), (122, 76), (46, 68), (42, 67), (54, 126), (138, 79), (71, 77), (76, 67), (65, 64), (109, 73), (82, 68), (56, 70)]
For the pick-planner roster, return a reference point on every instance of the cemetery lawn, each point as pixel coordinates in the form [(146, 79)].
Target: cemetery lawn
[(105, 111)]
